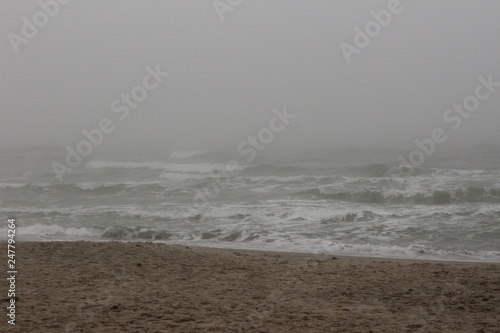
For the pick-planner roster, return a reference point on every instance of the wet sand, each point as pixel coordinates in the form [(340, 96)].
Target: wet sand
[(145, 287)]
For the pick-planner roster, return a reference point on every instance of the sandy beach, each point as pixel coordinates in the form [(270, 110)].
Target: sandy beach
[(146, 287)]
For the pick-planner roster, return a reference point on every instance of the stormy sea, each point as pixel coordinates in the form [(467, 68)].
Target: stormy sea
[(345, 201)]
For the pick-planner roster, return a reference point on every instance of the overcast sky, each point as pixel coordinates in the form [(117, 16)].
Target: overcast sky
[(226, 76)]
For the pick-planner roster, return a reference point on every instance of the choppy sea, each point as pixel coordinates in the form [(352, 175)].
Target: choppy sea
[(340, 202)]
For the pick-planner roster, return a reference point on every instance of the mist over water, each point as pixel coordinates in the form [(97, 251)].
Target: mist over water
[(173, 122)]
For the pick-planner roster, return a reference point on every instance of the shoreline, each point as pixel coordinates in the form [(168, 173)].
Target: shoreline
[(306, 255), (424, 258), (155, 287)]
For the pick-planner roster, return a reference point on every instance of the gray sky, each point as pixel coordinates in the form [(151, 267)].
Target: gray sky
[(226, 77)]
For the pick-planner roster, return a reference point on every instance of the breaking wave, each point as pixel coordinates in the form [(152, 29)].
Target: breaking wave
[(246, 239), (435, 197)]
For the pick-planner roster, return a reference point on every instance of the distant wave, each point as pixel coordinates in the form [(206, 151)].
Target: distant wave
[(37, 212), (127, 212), (269, 170), (290, 179), (98, 188), (388, 170), (94, 188), (372, 170), (366, 171), (385, 170), (177, 176), (169, 167), (12, 185), (352, 217), (436, 197), (178, 155)]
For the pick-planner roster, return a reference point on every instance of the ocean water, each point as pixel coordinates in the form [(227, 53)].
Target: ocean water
[(351, 202)]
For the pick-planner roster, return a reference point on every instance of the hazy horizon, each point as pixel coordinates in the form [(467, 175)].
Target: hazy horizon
[(227, 76)]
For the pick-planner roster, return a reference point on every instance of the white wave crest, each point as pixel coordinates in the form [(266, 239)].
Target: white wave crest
[(178, 155), (41, 230), (169, 167)]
